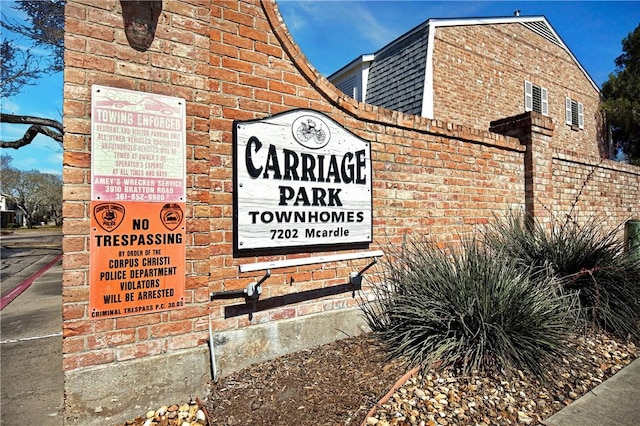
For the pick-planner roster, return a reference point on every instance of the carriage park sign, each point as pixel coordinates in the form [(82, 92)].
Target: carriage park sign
[(300, 179)]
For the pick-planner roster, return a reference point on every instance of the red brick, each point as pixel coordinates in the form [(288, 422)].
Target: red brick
[(238, 41), (240, 18), (114, 338), (277, 86), (139, 350), (75, 260), (73, 278), (253, 34), (281, 314), (172, 328), (73, 344), (73, 244), (73, 311), (185, 341), (83, 360)]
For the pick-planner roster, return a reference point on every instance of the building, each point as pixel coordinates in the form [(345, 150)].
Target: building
[(9, 213), (477, 70)]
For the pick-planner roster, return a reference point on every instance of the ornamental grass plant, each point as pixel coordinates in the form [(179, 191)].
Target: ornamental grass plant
[(588, 261), (469, 307)]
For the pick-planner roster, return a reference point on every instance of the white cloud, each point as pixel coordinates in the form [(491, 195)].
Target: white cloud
[(377, 32), (24, 163), (293, 18), (9, 107), (11, 131), (321, 23)]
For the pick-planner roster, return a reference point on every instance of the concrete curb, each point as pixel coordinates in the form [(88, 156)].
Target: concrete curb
[(615, 402)]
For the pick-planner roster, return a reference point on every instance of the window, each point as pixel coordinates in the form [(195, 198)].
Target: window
[(535, 98), (574, 115)]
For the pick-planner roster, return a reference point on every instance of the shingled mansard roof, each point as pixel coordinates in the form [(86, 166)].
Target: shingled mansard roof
[(400, 75)]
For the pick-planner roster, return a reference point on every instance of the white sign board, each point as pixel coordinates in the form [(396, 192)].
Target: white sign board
[(301, 179), (138, 146)]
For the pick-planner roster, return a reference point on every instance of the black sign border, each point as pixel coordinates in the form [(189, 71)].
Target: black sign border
[(291, 249)]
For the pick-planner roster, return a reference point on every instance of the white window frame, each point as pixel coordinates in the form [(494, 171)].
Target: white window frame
[(568, 116), (528, 98)]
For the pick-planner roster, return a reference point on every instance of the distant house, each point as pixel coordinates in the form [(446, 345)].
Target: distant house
[(9, 213), (477, 70)]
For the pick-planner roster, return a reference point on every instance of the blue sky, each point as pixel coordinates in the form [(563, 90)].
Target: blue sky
[(593, 30), (333, 33), (41, 100)]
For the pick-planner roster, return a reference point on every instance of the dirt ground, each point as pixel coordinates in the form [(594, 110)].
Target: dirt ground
[(336, 384), (339, 383)]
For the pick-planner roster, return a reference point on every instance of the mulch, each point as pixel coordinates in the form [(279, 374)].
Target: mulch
[(335, 384), (341, 382)]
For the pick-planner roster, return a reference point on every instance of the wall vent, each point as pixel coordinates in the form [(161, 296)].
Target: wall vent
[(542, 29)]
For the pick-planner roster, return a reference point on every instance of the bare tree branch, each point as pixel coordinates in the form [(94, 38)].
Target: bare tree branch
[(42, 22), (27, 119), (45, 126), (17, 69), (44, 25)]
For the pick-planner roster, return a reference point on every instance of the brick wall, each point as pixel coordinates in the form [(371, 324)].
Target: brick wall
[(480, 85), (591, 189), (97, 52), (234, 60), (429, 177)]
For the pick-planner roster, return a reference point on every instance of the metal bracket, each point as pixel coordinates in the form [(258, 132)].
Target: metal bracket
[(356, 277), (252, 291)]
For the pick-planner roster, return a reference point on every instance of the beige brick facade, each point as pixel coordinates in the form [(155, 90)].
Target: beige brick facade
[(234, 60), (485, 82)]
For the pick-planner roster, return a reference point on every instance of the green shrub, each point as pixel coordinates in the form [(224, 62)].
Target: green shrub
[(467, 307), (588, 260)]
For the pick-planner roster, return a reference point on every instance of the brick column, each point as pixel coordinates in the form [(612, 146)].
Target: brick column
[(535, 131)]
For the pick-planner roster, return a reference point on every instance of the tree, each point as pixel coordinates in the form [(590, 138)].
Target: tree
[(46, 126), (44, 26), (34, 193), (17, 69), (622, 98), (52, 202)]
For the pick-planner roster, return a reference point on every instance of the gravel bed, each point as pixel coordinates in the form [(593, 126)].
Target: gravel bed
[(443, 398), (339, 383)]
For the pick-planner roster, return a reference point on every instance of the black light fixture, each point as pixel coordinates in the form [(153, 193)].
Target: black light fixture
[(140, 22)]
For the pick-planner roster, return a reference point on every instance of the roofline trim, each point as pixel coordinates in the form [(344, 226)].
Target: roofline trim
[(427, 87), (448, 22), (369, 57), (434, 23), (444, 22)]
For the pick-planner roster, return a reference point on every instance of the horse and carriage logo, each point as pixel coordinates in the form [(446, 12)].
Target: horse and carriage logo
[(311, 132)]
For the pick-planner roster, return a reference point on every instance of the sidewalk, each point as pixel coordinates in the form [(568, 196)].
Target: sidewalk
[(32, 383), (615, 402)]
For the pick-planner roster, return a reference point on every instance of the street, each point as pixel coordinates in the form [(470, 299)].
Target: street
[(32, 383), (23, 253)]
